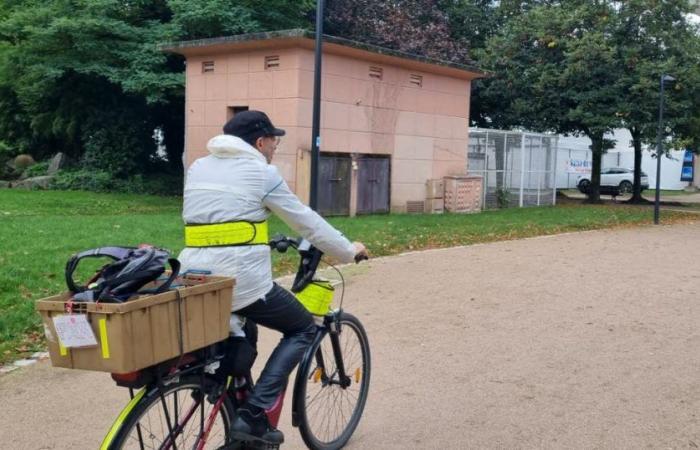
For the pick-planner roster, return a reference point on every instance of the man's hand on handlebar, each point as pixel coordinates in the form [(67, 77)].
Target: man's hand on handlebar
[(360, 251)]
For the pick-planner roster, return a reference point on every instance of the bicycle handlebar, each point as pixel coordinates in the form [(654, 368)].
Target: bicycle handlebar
[(310, 258), (360, 257)]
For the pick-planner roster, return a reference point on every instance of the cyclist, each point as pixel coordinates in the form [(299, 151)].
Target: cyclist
[(228, 197)]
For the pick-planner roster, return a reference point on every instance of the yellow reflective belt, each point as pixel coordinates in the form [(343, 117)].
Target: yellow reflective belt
[(226, 234)]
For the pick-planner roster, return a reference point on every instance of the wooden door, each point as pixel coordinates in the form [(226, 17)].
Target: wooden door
[(373, 182), (334, 185)]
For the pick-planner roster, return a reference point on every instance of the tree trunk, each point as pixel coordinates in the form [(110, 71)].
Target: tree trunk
[(637, 189), (597, 157), (173, 125)]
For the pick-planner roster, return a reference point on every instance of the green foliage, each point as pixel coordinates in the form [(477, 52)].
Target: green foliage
[(6, 151), (209, 18), (103, 181), (502, 198), (88, 78), (36, 170)]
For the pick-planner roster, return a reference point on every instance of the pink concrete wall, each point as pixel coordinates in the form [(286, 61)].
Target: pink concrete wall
[(241, 80), (424, 128)]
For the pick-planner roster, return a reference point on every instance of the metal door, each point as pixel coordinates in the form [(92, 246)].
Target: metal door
[(334, 185), (373, 181)]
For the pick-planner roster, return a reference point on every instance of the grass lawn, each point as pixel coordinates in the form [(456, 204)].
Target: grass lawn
[(40, 230)]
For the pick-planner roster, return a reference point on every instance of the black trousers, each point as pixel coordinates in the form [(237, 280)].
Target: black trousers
[(280, 311)]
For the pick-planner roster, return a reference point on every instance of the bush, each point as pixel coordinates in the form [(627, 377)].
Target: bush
[(23, 161), (502, 198), (101, 181), (6, 152), (37, 170)]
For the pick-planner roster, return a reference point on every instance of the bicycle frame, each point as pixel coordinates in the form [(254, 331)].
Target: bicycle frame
[(236, 388)]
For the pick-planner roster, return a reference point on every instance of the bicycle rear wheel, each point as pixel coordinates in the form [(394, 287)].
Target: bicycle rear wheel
[(329, 408), (184, 408)]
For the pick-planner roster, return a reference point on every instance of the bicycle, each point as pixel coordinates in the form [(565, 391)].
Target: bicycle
[(186, 403)]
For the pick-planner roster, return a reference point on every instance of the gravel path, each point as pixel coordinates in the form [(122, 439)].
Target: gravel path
[(585, 340)]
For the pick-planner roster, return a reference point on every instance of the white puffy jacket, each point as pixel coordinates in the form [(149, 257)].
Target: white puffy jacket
[(235, 183)]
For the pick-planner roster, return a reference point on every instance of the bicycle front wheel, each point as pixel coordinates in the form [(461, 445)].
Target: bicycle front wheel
[(175, 419), (329, 403)]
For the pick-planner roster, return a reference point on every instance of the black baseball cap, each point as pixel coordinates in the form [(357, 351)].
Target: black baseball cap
[(250, 125)]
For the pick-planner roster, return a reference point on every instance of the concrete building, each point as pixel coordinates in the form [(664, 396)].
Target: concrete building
[(390, 121)]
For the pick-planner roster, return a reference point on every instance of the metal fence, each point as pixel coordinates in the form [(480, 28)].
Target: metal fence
[(518, 168)]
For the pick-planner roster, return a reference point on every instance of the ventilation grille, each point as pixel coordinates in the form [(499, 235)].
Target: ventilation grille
[(207, 66), (415, 206), (376, 72), (272, 62), (416, 80)]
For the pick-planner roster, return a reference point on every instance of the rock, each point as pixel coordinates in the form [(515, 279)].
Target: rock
[(34, 182), (57, 163), (5, 184)]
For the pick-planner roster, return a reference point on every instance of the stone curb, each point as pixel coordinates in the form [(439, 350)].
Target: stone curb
[(37, 356)]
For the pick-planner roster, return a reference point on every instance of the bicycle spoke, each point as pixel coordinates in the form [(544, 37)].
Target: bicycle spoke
[(187, 403), (332, 408)]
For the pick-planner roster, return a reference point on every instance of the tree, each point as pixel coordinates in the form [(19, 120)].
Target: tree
[(474, 22), (87, 76), (652, 38), (555, 71), (418, 27)]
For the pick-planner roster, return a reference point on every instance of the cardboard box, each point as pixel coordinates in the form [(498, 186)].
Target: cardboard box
[(434, 206), (435, 188), (144, 331)]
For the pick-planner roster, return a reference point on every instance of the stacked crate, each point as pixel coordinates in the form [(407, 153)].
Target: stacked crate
[(435, 196), (463, 193)]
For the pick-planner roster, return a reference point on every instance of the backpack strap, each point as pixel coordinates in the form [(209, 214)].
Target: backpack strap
[(116, 253), (174, 272)]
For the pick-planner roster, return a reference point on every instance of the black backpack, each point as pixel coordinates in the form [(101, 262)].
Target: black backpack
[(116, 282)]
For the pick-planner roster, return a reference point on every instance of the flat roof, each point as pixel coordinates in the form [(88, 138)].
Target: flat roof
[(331, 44)]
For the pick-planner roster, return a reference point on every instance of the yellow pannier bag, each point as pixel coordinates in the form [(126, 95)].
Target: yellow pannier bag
[(317, 297)]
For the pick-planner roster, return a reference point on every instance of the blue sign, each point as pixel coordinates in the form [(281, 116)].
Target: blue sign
[(688, 169)]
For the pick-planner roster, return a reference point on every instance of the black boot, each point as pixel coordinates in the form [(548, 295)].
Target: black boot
[(255, 427)]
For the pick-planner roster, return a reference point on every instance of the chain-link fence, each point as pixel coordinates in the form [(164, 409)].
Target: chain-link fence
[(518, 169)]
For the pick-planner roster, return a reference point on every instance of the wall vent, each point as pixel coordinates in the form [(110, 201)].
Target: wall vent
[(376, 72), (207, 66), (272, 62), (416, 80), (415, 206), (233, 110)]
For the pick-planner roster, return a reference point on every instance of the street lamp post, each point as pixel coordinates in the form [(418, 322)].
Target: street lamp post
[(665, 79), (316, 120)]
